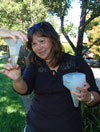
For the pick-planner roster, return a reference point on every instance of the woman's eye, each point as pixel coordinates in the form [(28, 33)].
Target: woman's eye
[(42, 41), (33, 44)]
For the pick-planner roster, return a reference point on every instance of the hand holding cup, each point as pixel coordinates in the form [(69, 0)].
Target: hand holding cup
[(73, 80), (12, 72)]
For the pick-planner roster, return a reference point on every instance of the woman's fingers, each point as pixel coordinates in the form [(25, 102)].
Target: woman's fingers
[(18, 34), (13, 37), (4, 71), (24, 37), (82, 95), (8, 66), (86, 85), (13, 34), (75, 93), (17, 66), (13, 73), (9, 60)]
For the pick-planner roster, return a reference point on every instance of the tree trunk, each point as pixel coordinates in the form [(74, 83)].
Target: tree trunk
[(81, 30), (66, 36), (31, 4)]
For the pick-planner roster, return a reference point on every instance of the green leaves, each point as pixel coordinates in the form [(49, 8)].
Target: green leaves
[(57, 7), (21, 14), (90, 118)]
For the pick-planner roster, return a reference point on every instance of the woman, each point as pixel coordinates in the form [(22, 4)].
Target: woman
[(13, 34), (52, 109)]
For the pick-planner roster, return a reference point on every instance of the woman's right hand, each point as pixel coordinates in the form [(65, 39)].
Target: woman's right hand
[(4, 33), (13, 73)]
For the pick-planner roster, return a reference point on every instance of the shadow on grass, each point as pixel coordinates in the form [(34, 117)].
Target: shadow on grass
[(12, 112), (12, 122)]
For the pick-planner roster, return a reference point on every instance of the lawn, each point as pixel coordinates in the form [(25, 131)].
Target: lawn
[(12, 113)]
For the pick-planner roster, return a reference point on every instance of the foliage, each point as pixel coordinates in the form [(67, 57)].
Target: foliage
[(20, 14), (67, 48), (94, 22), (93, 30), (12, 113), (90, 118), (60, 8), (53, 20), (70, 29), (56, 7)]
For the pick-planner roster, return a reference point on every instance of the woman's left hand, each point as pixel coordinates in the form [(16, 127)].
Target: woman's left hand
[(84, 94)]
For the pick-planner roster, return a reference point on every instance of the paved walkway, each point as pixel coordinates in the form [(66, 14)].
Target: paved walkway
[(96, 72), (3, 56)]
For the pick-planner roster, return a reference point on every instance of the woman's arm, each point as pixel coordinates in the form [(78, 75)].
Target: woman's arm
[(20, 86), (90, 93), (88, 97), (13, 34), (94, 97)]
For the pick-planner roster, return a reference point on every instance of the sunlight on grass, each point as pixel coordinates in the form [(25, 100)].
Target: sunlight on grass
[(1, 65), (12, 112), (3, 99), (13, 108)]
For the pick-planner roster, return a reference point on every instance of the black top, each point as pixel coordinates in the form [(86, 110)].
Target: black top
[(52, 109)]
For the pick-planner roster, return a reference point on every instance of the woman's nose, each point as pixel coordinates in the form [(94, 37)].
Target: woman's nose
[(39, 46)]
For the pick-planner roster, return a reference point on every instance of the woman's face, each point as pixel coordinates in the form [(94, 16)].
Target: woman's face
[(42, 47)]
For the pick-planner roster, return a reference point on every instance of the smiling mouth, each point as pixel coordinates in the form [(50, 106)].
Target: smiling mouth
[(41, 53)]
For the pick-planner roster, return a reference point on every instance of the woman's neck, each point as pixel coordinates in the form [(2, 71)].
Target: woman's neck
[(53, 68)]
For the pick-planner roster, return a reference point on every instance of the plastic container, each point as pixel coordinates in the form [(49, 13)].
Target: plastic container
[(14, 49), (73, 80)]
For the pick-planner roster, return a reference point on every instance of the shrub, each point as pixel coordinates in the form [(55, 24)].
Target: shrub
[(68, 48)]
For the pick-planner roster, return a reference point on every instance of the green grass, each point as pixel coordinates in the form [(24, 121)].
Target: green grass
[(12, 113), (68, 48)]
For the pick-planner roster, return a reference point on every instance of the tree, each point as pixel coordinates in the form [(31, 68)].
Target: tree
[(20, 14), (60, 8), (94, 35), (70, 30)]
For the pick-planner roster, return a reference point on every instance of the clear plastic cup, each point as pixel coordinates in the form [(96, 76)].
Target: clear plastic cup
[(14, 49), (73, 80)]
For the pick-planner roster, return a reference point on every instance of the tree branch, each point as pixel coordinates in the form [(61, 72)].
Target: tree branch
[(81, 29), (66, 36), (90, 19), (62, 24), (91, 46)]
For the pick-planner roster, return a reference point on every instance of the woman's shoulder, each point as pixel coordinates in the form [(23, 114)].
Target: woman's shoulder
[(31, 65), (78, 60), (68, 56)]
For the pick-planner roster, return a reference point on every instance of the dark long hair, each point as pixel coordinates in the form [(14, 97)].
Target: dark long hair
[(45, 29)]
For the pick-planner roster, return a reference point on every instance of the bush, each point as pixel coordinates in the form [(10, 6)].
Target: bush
[(3, 47), (90, 118), (68, 48)]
